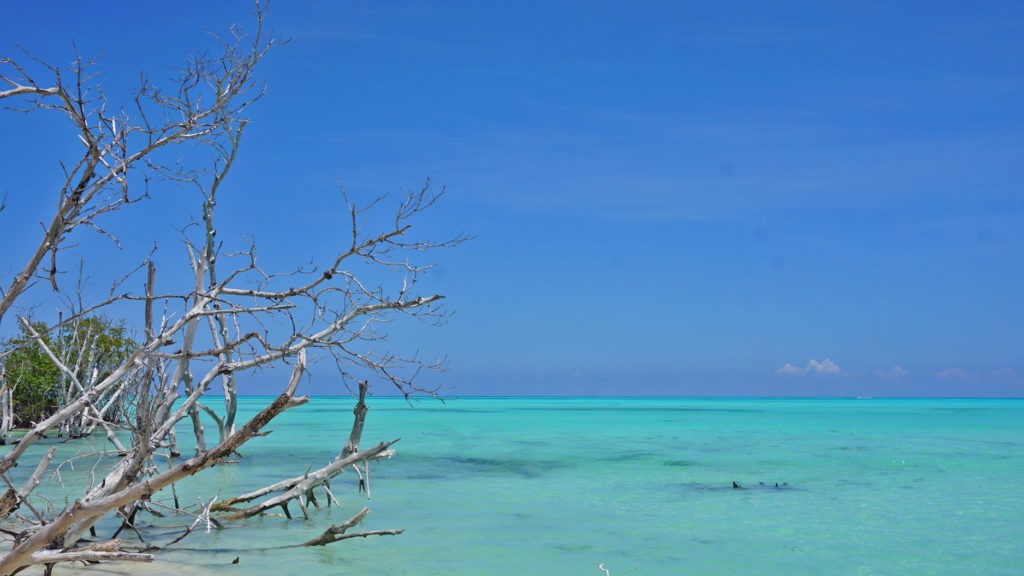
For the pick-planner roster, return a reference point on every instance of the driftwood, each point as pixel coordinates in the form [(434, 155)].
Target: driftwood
[(13, 498), (298, 487), (337, 532), (302, 486), (90, 553), (83, 514), (352, 446)]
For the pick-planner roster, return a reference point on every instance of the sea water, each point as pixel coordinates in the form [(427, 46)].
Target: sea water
[(559, 486)]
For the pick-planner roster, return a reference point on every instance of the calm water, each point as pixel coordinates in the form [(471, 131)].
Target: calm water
[(644, 486)]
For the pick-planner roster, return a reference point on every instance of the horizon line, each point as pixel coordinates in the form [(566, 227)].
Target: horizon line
[(637, 396)]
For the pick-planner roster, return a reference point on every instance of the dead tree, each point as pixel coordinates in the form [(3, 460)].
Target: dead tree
[(210, 96), (338, 532), (301, 488), (6, 406), (230, 318)]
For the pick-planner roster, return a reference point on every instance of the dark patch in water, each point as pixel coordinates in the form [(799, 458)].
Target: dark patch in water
[(678, 463), (647, 410), (459, 410), (426, 476), (574, 547), (629, 456), (462, 465), (531, 443), (739, 487)]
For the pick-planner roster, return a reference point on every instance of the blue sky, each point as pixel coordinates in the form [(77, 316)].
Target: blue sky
[(692, 198)]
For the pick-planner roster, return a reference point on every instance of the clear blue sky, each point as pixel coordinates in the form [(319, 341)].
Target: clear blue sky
[(692, 198)]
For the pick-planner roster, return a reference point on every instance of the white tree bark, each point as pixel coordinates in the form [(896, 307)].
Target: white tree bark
[(83, 514), (295, 488), (338, 532), (230, 318), (6, 408)]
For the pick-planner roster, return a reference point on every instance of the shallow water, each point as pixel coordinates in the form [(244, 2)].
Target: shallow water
[(644, 486)]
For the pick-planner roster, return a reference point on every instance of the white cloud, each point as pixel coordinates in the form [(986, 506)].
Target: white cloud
[(790, 369), (961, 375), (894, 373), (826, 366), (1004, 373), (953, 374)]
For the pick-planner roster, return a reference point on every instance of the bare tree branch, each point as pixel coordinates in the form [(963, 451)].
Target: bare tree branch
[(337, 532), (217, 324)]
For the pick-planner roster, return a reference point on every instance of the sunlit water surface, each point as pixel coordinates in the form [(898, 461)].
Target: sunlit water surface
[(643, 486)]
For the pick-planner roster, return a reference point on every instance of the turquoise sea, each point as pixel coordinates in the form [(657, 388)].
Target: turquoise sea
[(644, 486)]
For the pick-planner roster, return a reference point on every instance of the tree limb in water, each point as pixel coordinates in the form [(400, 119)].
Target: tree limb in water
[(337, 532)]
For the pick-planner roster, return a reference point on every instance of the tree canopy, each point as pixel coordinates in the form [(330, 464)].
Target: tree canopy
[(91, 347)]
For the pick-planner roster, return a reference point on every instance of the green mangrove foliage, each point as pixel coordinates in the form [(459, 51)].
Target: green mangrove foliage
[(36, 386)]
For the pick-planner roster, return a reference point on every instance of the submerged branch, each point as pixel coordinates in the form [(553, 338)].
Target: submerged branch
[(296, 487), (337, 533)]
